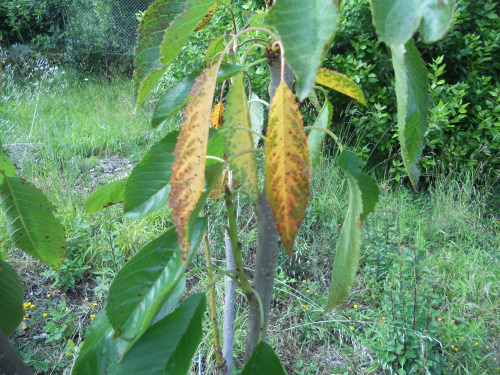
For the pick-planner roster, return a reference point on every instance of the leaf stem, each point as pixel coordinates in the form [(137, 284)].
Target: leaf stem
[(331, 134), (244, 152), (215, 158), (261, 306), (259, 101)]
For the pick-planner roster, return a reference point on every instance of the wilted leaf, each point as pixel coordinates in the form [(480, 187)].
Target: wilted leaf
[(412, 92), (217, 115), (341, 83), (171, 101), (31, 223), (288, 167), (105, 196), (363, 196), (11, 295), (147, 187), (263, 362), (237, 140), (316, 137), (305, 29), (188, 178)]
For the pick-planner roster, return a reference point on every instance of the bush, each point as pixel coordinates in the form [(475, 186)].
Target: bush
[(465, 115)]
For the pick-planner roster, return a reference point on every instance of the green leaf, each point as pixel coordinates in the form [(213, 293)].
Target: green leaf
[(164, 29), (99, 350), (11, 295), (6, 166), (437, 18), (257, 119), (315, 137), (227, 71), (148, 186), (215, 146), (305, 29), (263, 362), (105, 196), (341, 83), (171, 101), (168, 346), (363, 196), (238, 140), (412, 93), (31, 223), (142, 286), (216, 45)]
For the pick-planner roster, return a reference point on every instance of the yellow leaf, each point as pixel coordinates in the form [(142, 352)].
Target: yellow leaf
[(217, 115), (206, 19), (238, 140), (188, 177), (220, 186), (288, 167), (341, 83)]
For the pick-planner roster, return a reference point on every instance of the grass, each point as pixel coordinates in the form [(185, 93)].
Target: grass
[(429, 274)]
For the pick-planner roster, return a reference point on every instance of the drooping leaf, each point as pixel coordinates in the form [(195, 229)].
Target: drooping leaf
[(188, 178), (164, 30), (105, 196), (363, 196), (227, 71), (217, 115), (257, 118), (216, 46), (99, 350), (171, 101), (168, 346), (238, 140), (31, 223), (147, 187), (287, 167), (142, 286), (305, 29), (11, 295), (316, 137), (397, 20), (437, 18), (341, 83), (206, 19), (412, 93), (6, 166), (263, 362)]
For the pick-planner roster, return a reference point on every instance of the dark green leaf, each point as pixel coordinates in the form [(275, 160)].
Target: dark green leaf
[(363, 196), (6, 166), (412, 92), (227, 70), (305, 29), (105, 196), (395, 20), (31, 223), (148, 186), (168, 346), (263, 362), (215, 146), (315, 137), (11, 295), (171, 101)]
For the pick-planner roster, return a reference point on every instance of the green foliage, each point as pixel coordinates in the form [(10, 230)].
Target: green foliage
[(263, 361), (11, 293)]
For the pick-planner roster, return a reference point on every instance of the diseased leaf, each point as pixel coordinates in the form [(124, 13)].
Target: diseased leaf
[(316, 137), (412, 93), (105, 196), (168, 346), (238, 140), (287, 166), (147, 187), (171, 101), (206, 19), (216, 46), (217, 115), (437, 18), (31, 223), (341, 83), (263, 362), (363, 196), (188, 178), (11, 295), (305, 29), (257, 118), (164, 30)]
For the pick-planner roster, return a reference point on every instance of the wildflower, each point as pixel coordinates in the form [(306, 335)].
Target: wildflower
[(24, 319), (32, 306), (26, 305), (307, 290), (352, 328), (92, 316), (48, 295), (24, 327), (88, 308), (355, 306), (304, 281), (94, 304), (494, 359), (45, 315), (456, 349), (453, 346), (476, 343), (382, 320), (27, 314), (315, 294), (451, 339), (350, 318), (460, 341), (439, 319), (487, 347), (66, 309), (304, 306), (86, 298)]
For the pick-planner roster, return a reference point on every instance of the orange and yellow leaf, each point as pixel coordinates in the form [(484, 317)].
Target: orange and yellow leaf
[(217, 115), (188, 178), (288, 167), (341, 83)]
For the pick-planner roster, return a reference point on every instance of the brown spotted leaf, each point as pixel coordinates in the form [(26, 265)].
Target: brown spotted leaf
[(288, 167), (217, 115), (238, 140), (341, 83), (188, 177)]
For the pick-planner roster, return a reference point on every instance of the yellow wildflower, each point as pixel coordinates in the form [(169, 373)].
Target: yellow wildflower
[(355, 306), (24, 327), (45, 315), (304, 281), (476, 343), (439, 319), (66, 309), (307, 290), (48, 295), (352, 328), (86, 298), (95, 304), (24, 319), (32, 306), (315, 294), (487, 347)]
